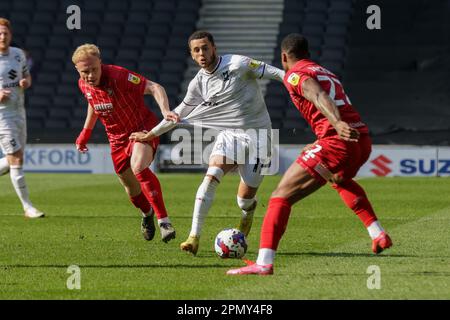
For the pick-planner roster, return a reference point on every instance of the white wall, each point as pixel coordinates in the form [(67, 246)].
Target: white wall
[(384, 161)]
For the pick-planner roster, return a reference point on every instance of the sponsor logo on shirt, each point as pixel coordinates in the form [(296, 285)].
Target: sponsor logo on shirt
[(294, 79), (12, 74), (102, 107), (89, 95), (10, 85), (254, 64), (134, 79)]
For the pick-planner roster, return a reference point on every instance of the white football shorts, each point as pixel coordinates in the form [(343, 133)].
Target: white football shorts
[(13, 132), (247, 150)]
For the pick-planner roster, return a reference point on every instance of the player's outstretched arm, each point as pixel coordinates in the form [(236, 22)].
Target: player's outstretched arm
[(85, 134), (273, 73), (160, 95), (163, 127), (262, 70), (313, 92)]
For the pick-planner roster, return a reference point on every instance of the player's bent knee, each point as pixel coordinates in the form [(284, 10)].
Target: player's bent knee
[(137, 168)]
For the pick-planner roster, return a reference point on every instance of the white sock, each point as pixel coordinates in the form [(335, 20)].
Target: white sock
[(163, 220), (375, 229), (18, 181), (203, 201), (244, 204), (265, 256), (4, 166)]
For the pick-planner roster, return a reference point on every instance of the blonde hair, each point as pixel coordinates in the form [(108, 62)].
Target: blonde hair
[(84, 51), (5, 22)]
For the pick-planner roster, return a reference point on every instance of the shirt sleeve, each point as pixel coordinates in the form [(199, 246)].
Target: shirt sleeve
[(261, 70), (24, 64), (295, 81), (135, 82)]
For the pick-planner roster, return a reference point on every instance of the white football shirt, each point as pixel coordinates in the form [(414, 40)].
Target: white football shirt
[(13, 68), (229, 97)]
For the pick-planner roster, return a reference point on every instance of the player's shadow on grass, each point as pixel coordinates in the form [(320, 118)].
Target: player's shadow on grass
[(343, 254), (115, 266)]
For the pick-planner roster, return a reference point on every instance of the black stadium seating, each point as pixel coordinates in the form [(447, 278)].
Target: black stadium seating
[(396, 77), (146, 36)]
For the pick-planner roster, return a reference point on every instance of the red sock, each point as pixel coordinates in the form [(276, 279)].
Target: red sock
[(152, 189), (140, 201), (356, 199), (275, 223)]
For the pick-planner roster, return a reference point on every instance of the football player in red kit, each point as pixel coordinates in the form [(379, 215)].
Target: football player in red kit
[(343, 145), (116, 97)]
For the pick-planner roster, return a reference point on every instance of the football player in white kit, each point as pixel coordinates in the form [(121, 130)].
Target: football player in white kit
[(225, 95), (14, 79)]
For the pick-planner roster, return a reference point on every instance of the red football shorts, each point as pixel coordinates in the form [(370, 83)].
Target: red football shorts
[(338, 156), (121, 155)]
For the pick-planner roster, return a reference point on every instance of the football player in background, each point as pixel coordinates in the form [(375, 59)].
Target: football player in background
[(15, 78), (343, 145), (225, 96), (116, 97)]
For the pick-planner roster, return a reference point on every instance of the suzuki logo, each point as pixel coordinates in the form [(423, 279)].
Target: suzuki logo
[(381, 163)]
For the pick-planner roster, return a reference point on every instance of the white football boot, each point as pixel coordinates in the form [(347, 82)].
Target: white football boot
[(33, 213)]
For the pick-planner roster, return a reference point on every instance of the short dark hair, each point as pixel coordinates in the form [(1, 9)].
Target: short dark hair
[(295, 45), (200, 35)]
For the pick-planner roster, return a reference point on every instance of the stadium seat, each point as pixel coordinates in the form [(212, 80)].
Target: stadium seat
[(141, 6), (47, 78), (341, 6), (43, 17), (131, 42), (111, 29), (56, 54), (39, 101), (56, 124), (135, 29), (167, 6), (128, 54), (117, 18), (59, 113), (162, 17), (41, 29), (66, 102), (139, 16), (316, 6), (55, 65), (23, 5), (107, 41), (119, 6), (59, 42), (172, 66), (35, 124), (47, 5)]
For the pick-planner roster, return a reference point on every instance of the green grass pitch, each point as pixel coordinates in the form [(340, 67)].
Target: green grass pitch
[(325, 253)]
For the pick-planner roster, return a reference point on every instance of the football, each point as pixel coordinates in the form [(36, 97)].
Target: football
[(230, 243)]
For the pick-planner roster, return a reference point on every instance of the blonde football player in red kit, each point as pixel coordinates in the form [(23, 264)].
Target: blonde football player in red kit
[(116, 97), (343, 145)]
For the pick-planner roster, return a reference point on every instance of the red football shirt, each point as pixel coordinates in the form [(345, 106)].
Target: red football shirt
[(119, 103), (305, 69)]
